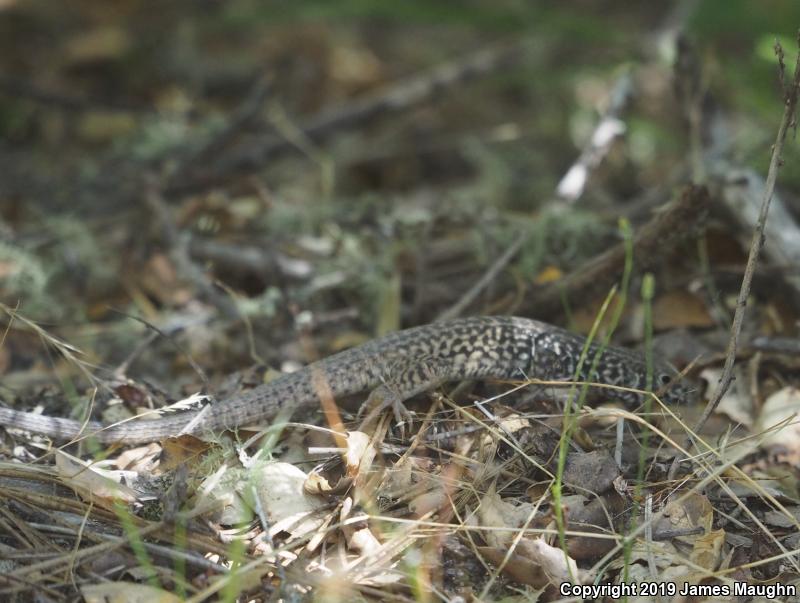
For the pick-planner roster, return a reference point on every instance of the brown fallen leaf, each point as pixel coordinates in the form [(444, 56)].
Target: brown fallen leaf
[(519, 568), (557, 566), (695, 510), (494, 512), (707, 550), (181, 450), (680, 308), (142, 459)]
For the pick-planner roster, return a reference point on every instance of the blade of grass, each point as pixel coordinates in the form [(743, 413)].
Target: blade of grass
[(570, 420)]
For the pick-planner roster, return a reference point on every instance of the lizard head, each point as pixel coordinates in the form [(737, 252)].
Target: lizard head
[(668, 385), (673, 388), (621, 373)]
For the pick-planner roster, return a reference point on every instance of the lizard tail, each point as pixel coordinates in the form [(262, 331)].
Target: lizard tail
[(133, 431)]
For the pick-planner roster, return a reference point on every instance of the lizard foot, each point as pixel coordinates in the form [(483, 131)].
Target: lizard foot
[(382, 398)]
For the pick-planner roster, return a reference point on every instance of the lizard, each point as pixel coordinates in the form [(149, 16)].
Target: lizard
[(394, 368)]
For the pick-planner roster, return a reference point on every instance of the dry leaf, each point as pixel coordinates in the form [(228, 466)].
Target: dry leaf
[(495, 512), (680, 308), (692, 511), (101, 486), (357, 459), (316, 483), (143, 459), (557, 566), (781, 520), (513, 423), (738, 408), (160, 279), (519, 568), (181, 450), (707, 549), (433, 499), (780, 415), (359, 455), (279, 489)]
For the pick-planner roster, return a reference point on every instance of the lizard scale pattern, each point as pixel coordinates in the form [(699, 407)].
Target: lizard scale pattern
[(400, 365)]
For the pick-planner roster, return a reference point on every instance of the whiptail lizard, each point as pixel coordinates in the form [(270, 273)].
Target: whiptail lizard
[(395, 368)]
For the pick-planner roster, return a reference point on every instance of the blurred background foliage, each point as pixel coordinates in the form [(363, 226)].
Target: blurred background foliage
[(97, 99)]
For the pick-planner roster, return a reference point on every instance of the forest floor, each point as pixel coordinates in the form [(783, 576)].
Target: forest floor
[(197, 198)]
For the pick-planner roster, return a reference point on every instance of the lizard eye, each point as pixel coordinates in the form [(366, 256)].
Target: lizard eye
[(664, 379)]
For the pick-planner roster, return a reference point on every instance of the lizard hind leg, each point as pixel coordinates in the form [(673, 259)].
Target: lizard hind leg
[(427, 373), (382, 398)]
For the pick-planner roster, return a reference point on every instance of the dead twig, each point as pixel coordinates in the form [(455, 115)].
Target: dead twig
[(787, 121), (266, 263), (608, 129), (487, 278)]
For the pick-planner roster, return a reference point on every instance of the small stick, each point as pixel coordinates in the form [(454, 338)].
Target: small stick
[(788, 120), (487, 278), (608, 129)]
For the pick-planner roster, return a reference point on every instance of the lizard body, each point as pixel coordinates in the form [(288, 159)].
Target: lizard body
[(400, 365)]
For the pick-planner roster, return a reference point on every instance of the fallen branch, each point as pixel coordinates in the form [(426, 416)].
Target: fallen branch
[(669, 227)]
